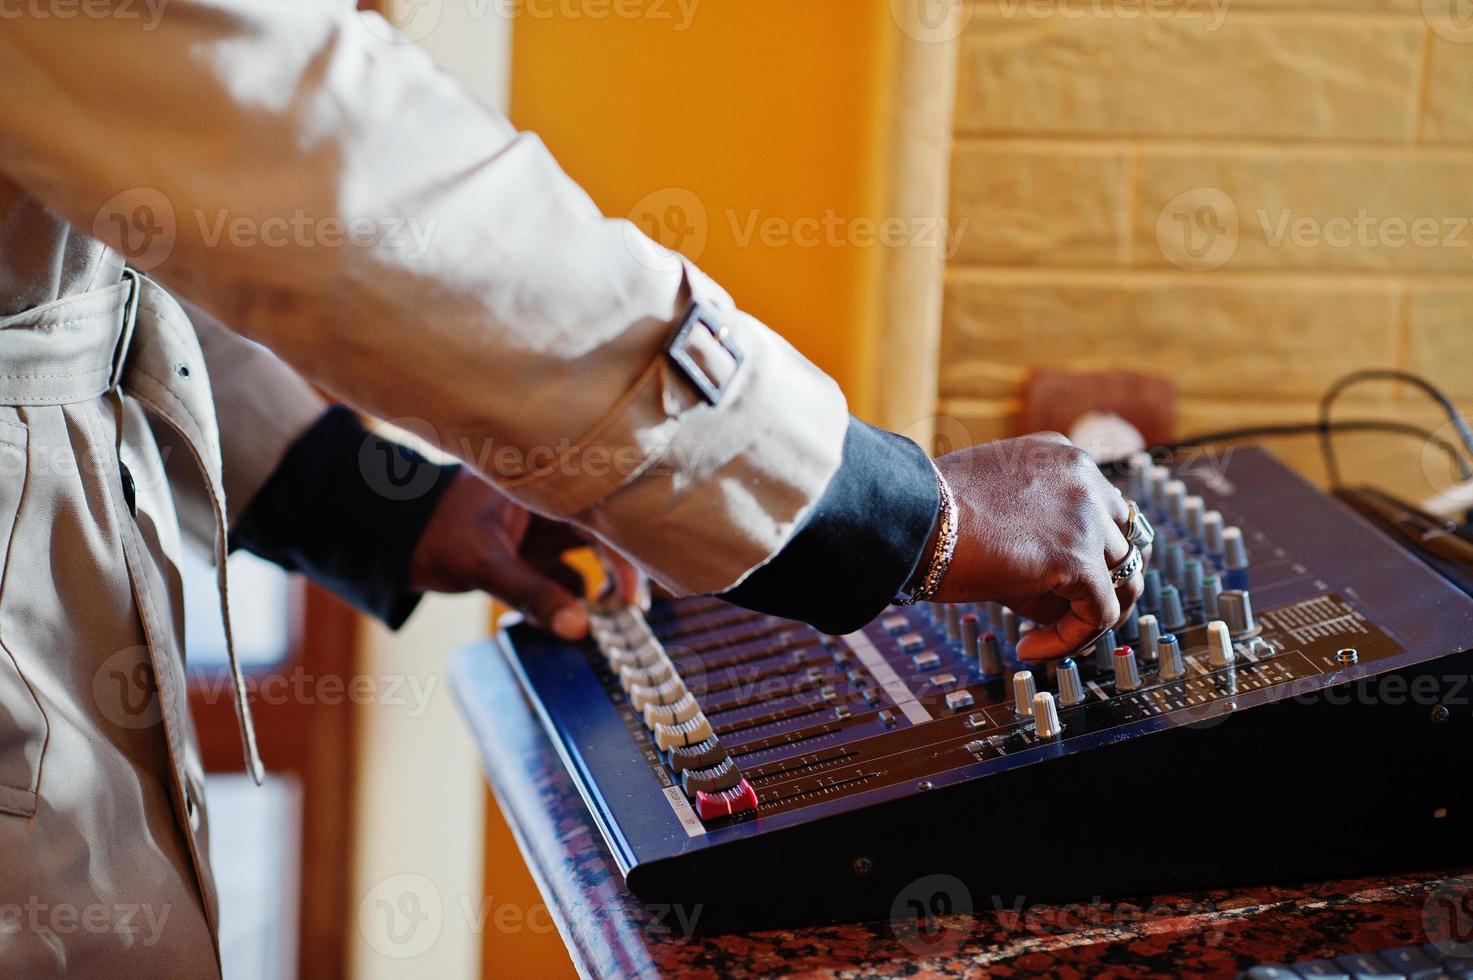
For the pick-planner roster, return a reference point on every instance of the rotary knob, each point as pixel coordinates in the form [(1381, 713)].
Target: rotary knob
[(1150, 631), (1151, 598), (1131, 631), (1193, 510), (951, 621), (1172, 617), (1127, 674), (1023, 691), (1105, 651), (1071, 688), (1176, 496), (1168, 651), (1192, 583), (1211, 589), (1236, 610), (1176, 564), (1234, 558), (1219, 644), (1212, 526), (1046, 716)]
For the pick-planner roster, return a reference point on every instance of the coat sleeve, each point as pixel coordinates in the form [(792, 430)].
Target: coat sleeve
[(303, 175)]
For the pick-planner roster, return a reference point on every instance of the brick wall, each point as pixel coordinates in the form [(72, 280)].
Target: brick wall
[(1254, 196)]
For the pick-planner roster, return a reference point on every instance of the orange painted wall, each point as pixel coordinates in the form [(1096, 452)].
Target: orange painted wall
[(759, 116)]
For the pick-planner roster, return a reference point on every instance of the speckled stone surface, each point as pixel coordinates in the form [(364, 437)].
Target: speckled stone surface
[(609, 933)]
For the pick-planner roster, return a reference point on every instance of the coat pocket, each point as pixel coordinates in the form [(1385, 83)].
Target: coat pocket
[(23, 726)]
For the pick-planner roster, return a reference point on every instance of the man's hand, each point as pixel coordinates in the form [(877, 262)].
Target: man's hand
[(478, 538), (1039, 531)]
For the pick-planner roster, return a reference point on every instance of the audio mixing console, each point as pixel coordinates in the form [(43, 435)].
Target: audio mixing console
[(1292, 699)]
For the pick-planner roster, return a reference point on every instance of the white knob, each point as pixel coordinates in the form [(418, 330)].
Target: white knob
[(1220, 644), (1046, 716), (1023, 691), (1127, 674)]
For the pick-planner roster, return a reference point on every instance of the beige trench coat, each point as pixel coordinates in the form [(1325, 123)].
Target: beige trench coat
[(523, 332)]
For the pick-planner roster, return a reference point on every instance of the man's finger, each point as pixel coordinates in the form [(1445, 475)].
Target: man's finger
[(1092, 608), (544, 602), (629, 582)]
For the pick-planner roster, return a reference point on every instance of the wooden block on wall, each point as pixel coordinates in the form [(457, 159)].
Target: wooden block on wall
[(1055, 400)]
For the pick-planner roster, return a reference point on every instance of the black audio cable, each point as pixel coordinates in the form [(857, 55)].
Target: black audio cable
[(1455, 459), (1327, 446)]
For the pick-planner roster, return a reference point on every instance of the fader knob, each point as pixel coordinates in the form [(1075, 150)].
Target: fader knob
[(1168, 651), (1010, 627), (1219, 644), (971, 640), (990, 659), (1023, 691), (1236, 609), (1105, 651), (1127, 674), (1150, 631), (1046, 716), (1071, 688), (1234, 558), (1172, 616)]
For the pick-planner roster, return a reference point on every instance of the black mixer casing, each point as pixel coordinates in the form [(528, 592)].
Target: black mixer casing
[(1345, 747)]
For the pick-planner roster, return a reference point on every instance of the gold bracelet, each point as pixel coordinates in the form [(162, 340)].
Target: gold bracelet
[(945, 544)]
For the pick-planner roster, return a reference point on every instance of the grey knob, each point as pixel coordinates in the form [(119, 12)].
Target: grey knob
[(951, 619), (971, 640), (1192, 581), (1236, 609), (1212, 525), (1046, 716), (1105, 651), (1219, 644), (1168, 650), (993, 611), (1010, 627), (1151, 598), (1127, 674), (1176, 564), (1138, 478), (1176, 495), (1172, 616), (1131, 631), (1160, 476), (1211, 589), (1150, 631), (1193, 509), (1071, 688), (1234, 550), (1023, 691), (990, 659)]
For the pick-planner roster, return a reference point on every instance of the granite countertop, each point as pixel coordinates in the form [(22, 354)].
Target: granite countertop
[(609, 933)]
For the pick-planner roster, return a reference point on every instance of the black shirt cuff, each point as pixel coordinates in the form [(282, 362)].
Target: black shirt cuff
[(346, 508), (861, 542)]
